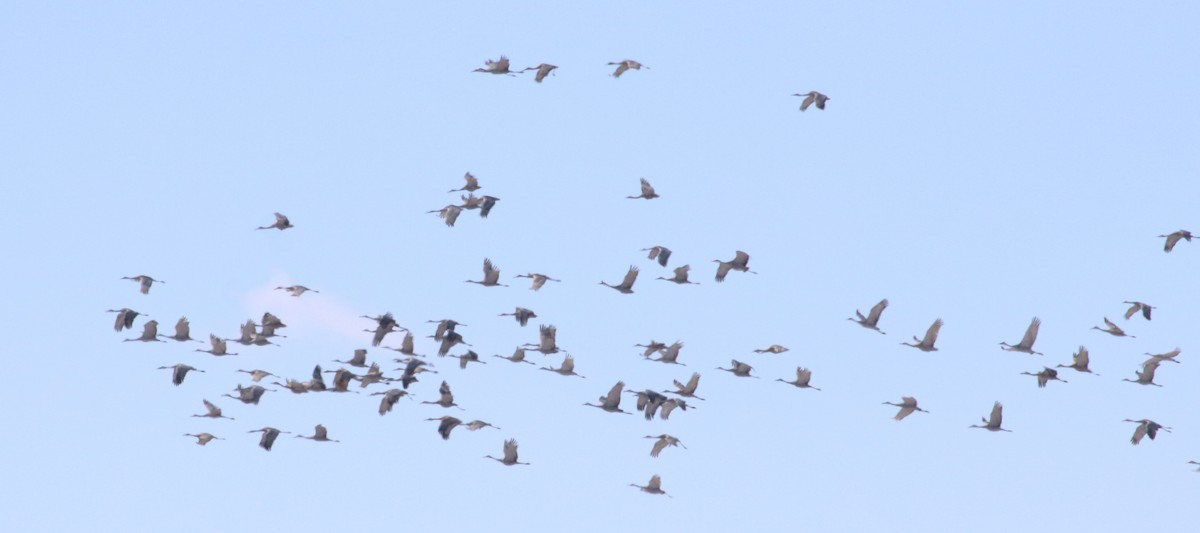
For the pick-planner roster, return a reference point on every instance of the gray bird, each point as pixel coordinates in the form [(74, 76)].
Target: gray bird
[(1045, 376), (144, 281), (740, 263), (510, 454), (203, 438), (471, 186), (125, 318), (1146, 428), (149, 333), (931, 335), (447, 398), (1135, 307), (518, 356), (269, 434), (296, 290), (993, 423), (813, 97), (449, 214), (625, 65), (1112, 329), (653, 487), (542, 71), (662, 253), (626, 285), (740, 369), (499, 66), (538, 280), (281, 223), (688, 390), (1080, 361), (647, 191), (491, 275), (522, 315), (611, 402), (1173, 239), (179, 371), (448, 423), (803, 376), (320, 434), (871, 321), (390, 397), (663, 441), (1026, 344), (212, 411), (907, 406), (566, 369)]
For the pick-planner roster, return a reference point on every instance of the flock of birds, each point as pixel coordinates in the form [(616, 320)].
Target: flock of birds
[(649, 402)]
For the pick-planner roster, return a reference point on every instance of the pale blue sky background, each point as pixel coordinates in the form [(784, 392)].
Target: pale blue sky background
[(983, 164)]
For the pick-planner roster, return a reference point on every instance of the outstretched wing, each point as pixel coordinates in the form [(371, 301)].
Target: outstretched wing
[(873, 316), (931, 334), (1031, 333)]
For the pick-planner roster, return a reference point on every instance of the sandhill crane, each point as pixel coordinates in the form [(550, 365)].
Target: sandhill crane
[(320, 434), (813, 97), (378, 334), (740, 369), (510, 454), (907, 406), (499, 66), (774, 348), (993, 423), (149, 333), (470, 201), (518, 356), (248, 395), (144, 281), (522, 315), (542, 71), (485, 208), (469, 357), (548, 340), (740, 263), (218, 347), (1173, 239), (1135, 307), (248, 333), (1045, 376), (448, 423), (1080, 361), (1169, 356), (931, 335), (444, 325), (491, 275), (654, 487), (647, 192), (1146, 428), (654, 346), (203, 438), (447, 398), (296, 290), (179, 371), (625, 65), (671, 354), (476, 425), (257, 375), (803, 376), (871, 321), (374, 375), (342, 379), (662, 253), (269, 434), (359, 360), (281, 223), (681, 276), (663, 441), (626, 286), (390, 397), (449, 214), (669, 405), (1026, 344), (450, 340), (689, 390), (183, 331), (406, 346), (125, 318), (297, 387), (212, 411), (1146, 375), (471, 186), (611, 402), (538, 279), (567, 368), (411, 369), (1112, 329)]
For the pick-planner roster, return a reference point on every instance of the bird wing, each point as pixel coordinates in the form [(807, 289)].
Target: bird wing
[(997, 415), (510, 451), (741, 259), (1137, 306), (1081, 358), (444, 390), (663, 255), (873, 316), (538, 281), (931, 334), (621, 68), (1112, 327), (568, 364), (723, 270), (803, 375), (655, 483), (489, 269), (904, 411), (659, 446), (472, 182), (654, 252), (320, 432), (647, 189), (488, 203), (812, 97), (1139, 433), (614, 395), (630, 277), (213, 410), (1171, 240), (282, 220), (821, 101), (693, 382), (1031, 333)]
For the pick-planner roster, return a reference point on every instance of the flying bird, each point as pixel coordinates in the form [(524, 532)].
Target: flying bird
[(296, 290), (149, 333), (566, 369), (740, 263), (1173, 239), (390, 397), (547, 340), (496, 67), (611, 402), (1026, 344), (774, 348), (542, 71), (203, 438), (1135, 307), (471, 186), (448, 423), (269, 434), (931, 335), (662, 253), (1146, 428), (183, 331), (813, 97), (281, 223), (1146, 375), (491, 275), (993, 423), (625, 65), (1169, 356), (447, 398), (681, 276), (647, 191), (871, 321), (320, 434), (688, 390), (476, 425), (538, 280), (653, 487), (663, 441), (518, 356), (510, 454), (212, 411), (1045, 376), (1112, 329), (522, 315), (179, 371), (740, 369), (125, 318), (803, 376), (1080, 361), (626, 285), (218, 346), (907, 406), (144, 281), (449, 214)]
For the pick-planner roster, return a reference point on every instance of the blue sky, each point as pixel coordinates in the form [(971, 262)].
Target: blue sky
[(981, 164)]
